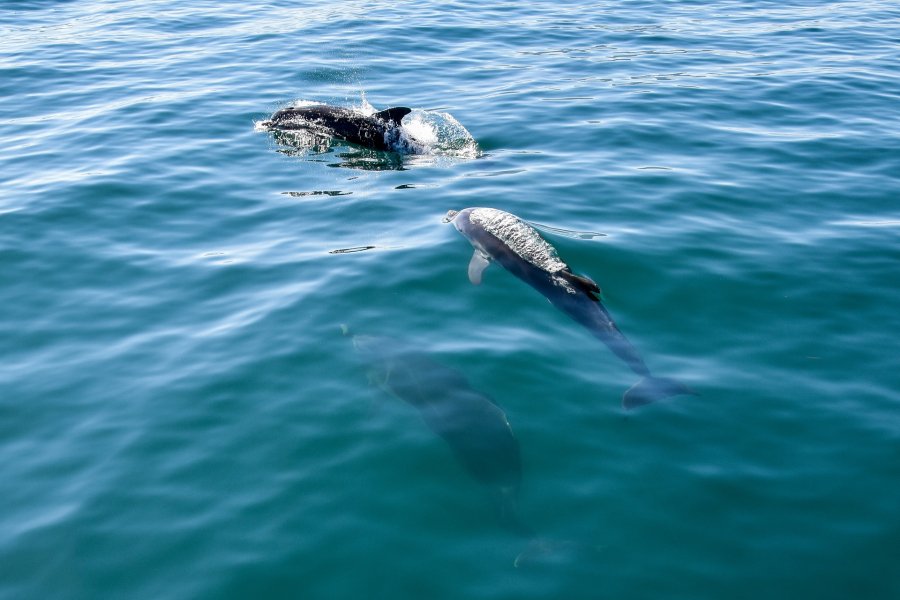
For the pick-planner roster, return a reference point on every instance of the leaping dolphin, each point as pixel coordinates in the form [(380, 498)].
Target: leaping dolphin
[(501, 237), (380, 131)]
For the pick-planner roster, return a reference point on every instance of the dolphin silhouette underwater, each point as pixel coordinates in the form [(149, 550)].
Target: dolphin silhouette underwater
[(501, 237), (380, 131), (472, 425)]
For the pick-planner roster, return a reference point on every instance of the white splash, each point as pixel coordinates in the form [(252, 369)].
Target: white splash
[(364, 107), (436, 133)]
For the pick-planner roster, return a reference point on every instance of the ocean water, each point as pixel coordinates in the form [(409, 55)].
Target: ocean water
[(182, 415)]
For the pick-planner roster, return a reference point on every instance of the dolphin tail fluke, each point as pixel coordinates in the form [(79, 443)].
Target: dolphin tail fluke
[(650, 389)]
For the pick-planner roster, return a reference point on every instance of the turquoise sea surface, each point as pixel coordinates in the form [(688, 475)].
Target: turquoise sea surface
[(183, 416)]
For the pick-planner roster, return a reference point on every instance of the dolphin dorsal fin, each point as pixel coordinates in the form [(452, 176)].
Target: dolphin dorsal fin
[(585, 284), (393, 115), (477, 266)]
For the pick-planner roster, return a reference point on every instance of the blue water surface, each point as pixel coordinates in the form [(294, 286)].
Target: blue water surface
[(183, 416)]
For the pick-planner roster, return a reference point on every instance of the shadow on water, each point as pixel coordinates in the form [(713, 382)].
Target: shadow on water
[(473, 426), (351, 250)]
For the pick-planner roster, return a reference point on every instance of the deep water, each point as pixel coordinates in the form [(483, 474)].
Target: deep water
[(182, 415)]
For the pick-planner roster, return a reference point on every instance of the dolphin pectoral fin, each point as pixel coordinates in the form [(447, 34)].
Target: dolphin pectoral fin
[(393, 115), (477, 266), (380, 379), (373, 377)]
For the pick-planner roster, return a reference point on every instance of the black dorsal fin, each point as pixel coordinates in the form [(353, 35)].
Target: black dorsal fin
[(585, 284), (393, 115)]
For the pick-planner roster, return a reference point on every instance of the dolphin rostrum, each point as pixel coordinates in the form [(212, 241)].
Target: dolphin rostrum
[(380, 131), (475, 428), (501, 237)]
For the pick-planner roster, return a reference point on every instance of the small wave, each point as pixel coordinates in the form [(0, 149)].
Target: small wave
[(571, 233), (867, 223)]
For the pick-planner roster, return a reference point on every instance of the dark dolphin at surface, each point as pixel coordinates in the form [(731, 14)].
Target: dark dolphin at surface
[(379, 131), (475, 428), (501, 237)]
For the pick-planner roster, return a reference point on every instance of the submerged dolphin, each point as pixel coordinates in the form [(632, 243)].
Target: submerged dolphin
[(504, 238), (379, 131), (475, 428)]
